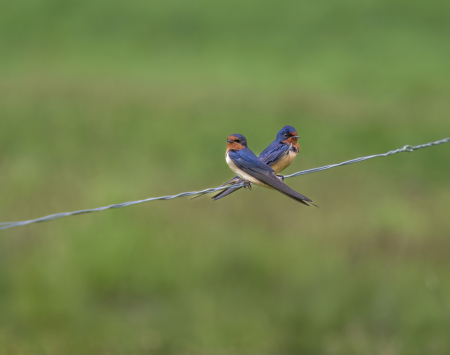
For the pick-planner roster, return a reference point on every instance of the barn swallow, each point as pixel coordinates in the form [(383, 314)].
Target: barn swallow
[(252, 170), (278, 155)]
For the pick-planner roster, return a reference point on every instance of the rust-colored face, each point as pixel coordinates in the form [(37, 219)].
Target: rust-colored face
[(292, 138), (235, 143)]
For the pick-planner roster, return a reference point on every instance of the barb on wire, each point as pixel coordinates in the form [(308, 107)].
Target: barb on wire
[(406, 148)]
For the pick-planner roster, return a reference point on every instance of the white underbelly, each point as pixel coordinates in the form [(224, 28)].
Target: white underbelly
[(242, 174)]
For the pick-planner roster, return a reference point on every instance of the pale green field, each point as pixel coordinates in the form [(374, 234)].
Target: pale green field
[(106, 102)]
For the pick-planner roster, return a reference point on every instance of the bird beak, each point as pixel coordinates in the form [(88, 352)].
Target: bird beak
[(295, 136), (230, 141)]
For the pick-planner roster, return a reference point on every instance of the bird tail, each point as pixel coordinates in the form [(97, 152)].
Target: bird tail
[(224, 193), (297, 197), (286, 190), (274, 182)]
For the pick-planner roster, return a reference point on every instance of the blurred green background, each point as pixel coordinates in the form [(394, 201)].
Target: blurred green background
[(104, 102)]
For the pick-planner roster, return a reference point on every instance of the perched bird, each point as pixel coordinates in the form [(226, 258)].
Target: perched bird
[(278, 155), (252, 170)]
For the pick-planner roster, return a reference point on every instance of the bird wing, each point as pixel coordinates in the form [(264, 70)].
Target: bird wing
[(246, 158), (251, 165), (273, 153)]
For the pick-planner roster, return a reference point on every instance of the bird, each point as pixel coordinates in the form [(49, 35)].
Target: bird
[(252, 170), (278, 155)]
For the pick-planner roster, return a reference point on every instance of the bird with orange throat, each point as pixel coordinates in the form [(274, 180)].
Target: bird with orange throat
[(252, 170)]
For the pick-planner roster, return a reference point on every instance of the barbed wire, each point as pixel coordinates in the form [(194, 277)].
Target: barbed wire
[(406, 148)]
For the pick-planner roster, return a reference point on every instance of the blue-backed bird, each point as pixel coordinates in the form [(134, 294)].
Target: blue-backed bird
[(252, 170), (278, 155)]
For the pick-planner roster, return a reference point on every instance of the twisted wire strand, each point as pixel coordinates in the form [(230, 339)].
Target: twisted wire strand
[(406, 148)]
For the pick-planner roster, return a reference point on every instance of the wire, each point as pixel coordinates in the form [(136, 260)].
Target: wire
[(406, 148)]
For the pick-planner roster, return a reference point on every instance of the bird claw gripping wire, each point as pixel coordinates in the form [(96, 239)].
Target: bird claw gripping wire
[(247, 185)]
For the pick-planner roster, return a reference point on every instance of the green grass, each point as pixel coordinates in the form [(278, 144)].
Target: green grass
[(109, 102)]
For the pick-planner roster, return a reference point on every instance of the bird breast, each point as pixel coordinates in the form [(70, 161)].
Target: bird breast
[(284, 161), (242, 174)]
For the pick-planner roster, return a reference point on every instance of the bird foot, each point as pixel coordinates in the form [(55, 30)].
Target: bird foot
[(247, 185), (281, 177)]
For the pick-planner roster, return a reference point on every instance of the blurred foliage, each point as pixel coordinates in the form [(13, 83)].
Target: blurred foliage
[(104, 102)]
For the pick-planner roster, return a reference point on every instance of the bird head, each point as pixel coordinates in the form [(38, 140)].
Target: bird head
[(287, 134), (236, 142)]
